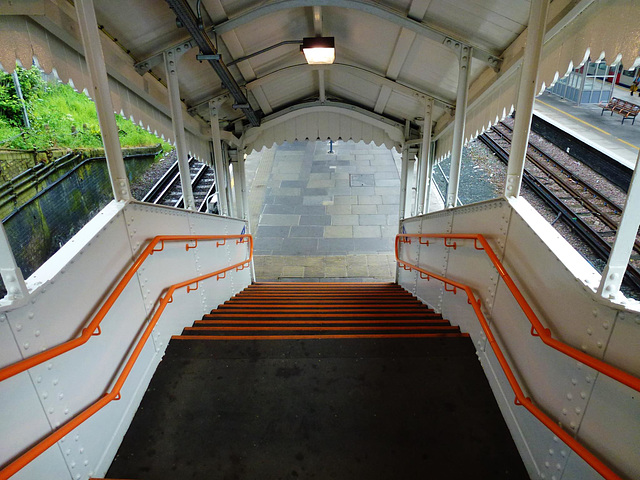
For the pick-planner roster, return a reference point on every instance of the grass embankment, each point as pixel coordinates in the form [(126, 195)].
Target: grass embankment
[(59, 117)]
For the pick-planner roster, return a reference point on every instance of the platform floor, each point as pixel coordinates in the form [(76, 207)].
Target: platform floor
[(316, 214), (604, 132)]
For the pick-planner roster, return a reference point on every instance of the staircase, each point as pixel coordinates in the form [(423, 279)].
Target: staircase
[(288, 311), (319, 380)]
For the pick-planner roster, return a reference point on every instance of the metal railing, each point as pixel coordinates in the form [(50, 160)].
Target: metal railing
[(537, 330), (94, 329)]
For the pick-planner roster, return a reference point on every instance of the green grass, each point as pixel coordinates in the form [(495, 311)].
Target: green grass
[(60, 117)]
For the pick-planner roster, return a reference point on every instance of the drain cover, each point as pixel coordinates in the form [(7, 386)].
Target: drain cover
[(361, 180)]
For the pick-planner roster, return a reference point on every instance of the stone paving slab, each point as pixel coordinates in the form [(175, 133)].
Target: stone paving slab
[(321, 215)]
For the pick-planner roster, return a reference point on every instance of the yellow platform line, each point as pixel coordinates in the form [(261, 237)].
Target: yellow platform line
[(586, 123)]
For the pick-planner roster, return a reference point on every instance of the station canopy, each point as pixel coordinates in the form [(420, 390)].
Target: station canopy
[(391, 58)]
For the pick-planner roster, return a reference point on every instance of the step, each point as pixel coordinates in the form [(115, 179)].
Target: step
[(323, 321), (319, 330), (371, 409)]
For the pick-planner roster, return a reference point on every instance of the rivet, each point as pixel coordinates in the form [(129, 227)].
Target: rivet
[(558, 466), (551, 451), (26, 345), (589, 331), (45, 395), (556, 439), (61, 396), (547, 464), (599, 344), (51, 410), (55, 381), (595, 312), (86, 462), (49, 366), (66, 411), (81, 450), (18, 327), (73, 464), (31, 315), (77, 438), (588, 378), (564, 411), (583, 395), (39, 379), (573, 425), (563, 453), (578, 410), (574, 381), (569, 396), (37, 333)]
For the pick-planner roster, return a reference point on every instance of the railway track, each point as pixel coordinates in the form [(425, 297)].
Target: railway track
[(590, 214), (168, 190)]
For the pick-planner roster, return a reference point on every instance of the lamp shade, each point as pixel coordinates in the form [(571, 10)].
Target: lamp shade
[(319, 50)]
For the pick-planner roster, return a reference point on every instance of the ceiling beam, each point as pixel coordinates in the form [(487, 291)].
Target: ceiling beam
[(385, 13), (317, 21), (359, 72), (392, 128), (188, 19)]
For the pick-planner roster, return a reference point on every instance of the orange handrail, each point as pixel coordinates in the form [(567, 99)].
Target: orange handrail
[(114, 394), (536, 330)]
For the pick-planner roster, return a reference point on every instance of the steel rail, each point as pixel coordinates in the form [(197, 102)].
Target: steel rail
[(537, 330), (583, 183), (159, 188), (595, 210), (598, 244), (89, 331)]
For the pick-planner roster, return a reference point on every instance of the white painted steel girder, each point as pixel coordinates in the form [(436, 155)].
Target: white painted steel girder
[(464, 65), (526, 96), (372, 8), (98, 72), (171, 58), (625, 238)]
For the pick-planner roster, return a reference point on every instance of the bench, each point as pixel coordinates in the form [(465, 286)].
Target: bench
[(621, 107)]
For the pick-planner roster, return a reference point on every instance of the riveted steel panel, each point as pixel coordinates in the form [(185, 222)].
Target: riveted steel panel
[(433, 258), (611, 425)]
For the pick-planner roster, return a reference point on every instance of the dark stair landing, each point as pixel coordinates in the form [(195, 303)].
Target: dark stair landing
[(324, 384)]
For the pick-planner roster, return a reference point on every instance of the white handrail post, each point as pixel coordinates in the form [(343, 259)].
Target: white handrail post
[(526, 96), (625, 238), (98, 73), (464, 64), (171, 58)]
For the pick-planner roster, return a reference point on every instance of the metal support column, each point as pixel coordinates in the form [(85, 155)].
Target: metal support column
[(404, 174), (419, 187), (218, 161), (526, 96), (429, 177), (464, 64), (238, 208), (171, 58), (623, 243), (425, 156), (98, 73), (242, 184), (11, 274)]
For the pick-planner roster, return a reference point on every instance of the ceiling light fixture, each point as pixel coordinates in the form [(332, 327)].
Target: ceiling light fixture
[(319, 50)]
